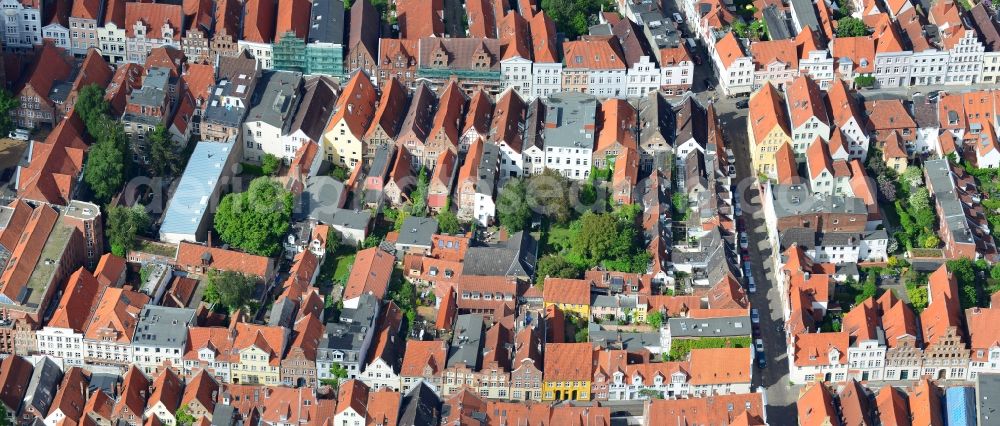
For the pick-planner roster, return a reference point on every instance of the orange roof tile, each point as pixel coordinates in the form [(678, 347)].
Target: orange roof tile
[(892, 406), (420, 18), (194, 255), (508, 120), (167, 390), (50, 65), (383, 406), (259, 21), (515, 37), (293, 17), (925, 404), (71, 397), (391, 108), (199, 78), (370, 274), (86, 9), (859, 50), (729, 49), (788, 169), (717, 410), (356, 105), (818, 156), (593, 54), (482, 21), (618, 125), (448, 117), (117, 313), (422, 354), (26, 254), (352, 394), (720, 366), (78, 302), (202, 388), (133, 397), (983, 333), (568, 362), (674, 56), (566, 291), (154, 16), (805, 100), (543, 38), (767, 110), (815, 406), (110, 269), (813, 349), (855, 406)]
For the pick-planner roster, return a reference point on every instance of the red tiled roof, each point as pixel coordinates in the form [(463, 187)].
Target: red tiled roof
[(78, 302), (86, 9), (370, 274), (356, 105), (259, 21), (568, 362), (293, 16), (154, 16), (50, 65), (420, 18), (566, 291), (193, 255)]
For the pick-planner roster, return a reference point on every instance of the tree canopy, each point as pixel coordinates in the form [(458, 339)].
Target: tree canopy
[(574, 17), (123, 224), (448, 222), (230, 290), (850, 26), (8, 103), (556, 266), (108, 161), (612, 240), (162, 154), (270, 164), (255, 220), (512, 206)]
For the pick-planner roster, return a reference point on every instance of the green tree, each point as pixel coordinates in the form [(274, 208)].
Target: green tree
[(418, 197), (163, 159), (864, 81), (8, 103), (184, 417), (573, 17), (230, 290), (448, 222), (932, 241), (758, 29), (598, 240), (333, 240), (105, 170), (850, 26), (257, 219), (91, 106), (913, 175), (655, 319), (338, 374), (920, 199), (340, 173), (741, 29), (123, 224), (512, 207), (270, 164), (548, 193), (556, 267), (995, 271), (680, 203)]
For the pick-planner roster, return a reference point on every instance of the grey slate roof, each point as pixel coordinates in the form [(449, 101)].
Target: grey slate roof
[(319, 198), (316, 107), (420, 407), (43, 386), (626, 340), (793, 200), (777, 27), (569, 120), (925, 112), (487, 171), (988, 399), (225, 415), (805, 13), (275, 98), (603, 301), (939, 174), (709, 327), (105, 382), (161, 326), (326, 22), (467, 343), (220, 111), (513, 258), (417, 231)]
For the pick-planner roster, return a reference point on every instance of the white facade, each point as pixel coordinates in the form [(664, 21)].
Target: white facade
[(149, 358), (965, 60), (928, 67), (991, 67), (516, 73), (22, 26), (161, 412), (607, 83), (866, 360), (737, 78), (622, 389), (892, 69), (571, 162), (643, 77), (534, 160), (378, 375), (485, 209), (806, 133), (262, 51), (138, 47), (818, 64), (100, 351), (349, 417), (511, 162), (991, 365), (261, 138), (821, 369), (874, 248), (856, 139), (58, 34), (681, 74), (291, 143), (547, 78), (62, 343), (112, 42)]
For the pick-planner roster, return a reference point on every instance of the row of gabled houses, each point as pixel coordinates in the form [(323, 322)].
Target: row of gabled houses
[(935, 44)]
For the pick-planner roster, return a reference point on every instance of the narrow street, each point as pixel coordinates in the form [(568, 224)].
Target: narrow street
[(780, 395)]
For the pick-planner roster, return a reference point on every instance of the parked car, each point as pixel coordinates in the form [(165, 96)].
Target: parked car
[(737, 208), (744, 242), (19, 134), (761, 363), (742, 103), (759, 345), (752, 286), (678, 17), (746, 268), (754, 316)]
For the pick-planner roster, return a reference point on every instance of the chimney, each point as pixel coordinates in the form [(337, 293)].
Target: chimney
[(209, 241)]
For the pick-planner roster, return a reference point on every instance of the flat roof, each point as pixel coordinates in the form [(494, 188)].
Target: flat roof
[(190, 201)]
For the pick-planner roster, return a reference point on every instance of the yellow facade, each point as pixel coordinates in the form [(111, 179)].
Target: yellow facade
[(562, 391), (582, 310), (341, 147), (762, 152), (639, 313), (255, 368)]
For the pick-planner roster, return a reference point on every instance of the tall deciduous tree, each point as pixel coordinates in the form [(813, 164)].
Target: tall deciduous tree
[(162, 154), (512, 206), (123, 225), (255, 220), (8, 103), (105, 170), (231, 290)]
